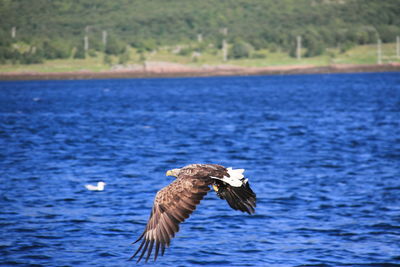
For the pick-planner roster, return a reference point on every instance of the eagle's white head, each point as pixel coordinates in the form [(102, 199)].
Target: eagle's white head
[(173, 172)]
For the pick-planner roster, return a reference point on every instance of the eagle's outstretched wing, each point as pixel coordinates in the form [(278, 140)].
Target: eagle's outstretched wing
[(172, 205)]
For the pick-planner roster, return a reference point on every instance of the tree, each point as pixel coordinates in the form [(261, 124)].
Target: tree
[(80, 52), (314, 46), (114, 47), (107, 60), (145, 45), (55, 49), (124, 57), (240, 49)]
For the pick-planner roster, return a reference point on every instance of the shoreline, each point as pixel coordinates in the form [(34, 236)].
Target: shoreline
[(169, 71)]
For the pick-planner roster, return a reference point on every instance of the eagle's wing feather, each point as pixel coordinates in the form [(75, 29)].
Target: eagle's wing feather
[(239, 198), (172, 205)]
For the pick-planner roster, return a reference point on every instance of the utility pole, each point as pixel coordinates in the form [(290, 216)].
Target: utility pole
[(398, 46), (224, 45), (298, 48), (379, 51), (13, 32), (86, 39), (104, 38), (86, 43), (224, 50)]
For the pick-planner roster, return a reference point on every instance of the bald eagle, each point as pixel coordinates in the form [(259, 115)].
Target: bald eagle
[(175, 202)]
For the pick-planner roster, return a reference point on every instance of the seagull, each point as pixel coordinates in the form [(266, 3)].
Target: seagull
[(98, 187)]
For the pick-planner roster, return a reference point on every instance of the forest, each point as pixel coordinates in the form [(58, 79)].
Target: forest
[(34, 31)]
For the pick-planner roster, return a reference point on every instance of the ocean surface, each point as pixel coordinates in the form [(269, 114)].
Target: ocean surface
[(322, 153)]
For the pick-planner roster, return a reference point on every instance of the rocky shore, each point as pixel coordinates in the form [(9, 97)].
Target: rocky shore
[(166, 69)]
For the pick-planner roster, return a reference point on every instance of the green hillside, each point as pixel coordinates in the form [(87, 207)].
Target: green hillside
[(55, 29)]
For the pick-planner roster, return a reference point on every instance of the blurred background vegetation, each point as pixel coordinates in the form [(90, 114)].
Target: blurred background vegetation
[(188, 31)]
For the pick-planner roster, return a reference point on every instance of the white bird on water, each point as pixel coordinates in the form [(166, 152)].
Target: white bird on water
[(98, 187)]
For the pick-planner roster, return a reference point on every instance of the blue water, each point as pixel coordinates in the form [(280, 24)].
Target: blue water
[(322, 152)]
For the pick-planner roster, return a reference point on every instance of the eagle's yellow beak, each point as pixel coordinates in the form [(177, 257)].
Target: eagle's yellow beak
[(169, 173)]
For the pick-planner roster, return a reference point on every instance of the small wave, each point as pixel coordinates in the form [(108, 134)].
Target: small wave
[(37, 257), (249, 250), (34, 245), (331, 166), (115, 230), (24, 230), (392, 188), (106, 254), (16, 263), (199, 228), (212, 262), (385, 226), (78, 221), (392, 156), (212, 252), (48, 237), (259, 216), (66, 199)]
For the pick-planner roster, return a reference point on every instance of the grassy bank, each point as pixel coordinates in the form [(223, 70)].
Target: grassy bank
[(366, 54)]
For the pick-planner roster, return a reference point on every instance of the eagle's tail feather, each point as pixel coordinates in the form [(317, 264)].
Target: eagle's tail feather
[(234, 177)]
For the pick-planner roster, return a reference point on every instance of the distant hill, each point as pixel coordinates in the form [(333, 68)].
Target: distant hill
[(51, 29)]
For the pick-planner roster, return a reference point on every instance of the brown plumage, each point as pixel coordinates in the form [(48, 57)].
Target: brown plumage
[(175, 202)]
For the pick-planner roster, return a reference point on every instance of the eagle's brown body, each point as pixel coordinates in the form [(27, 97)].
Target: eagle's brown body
[(175, 202)]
